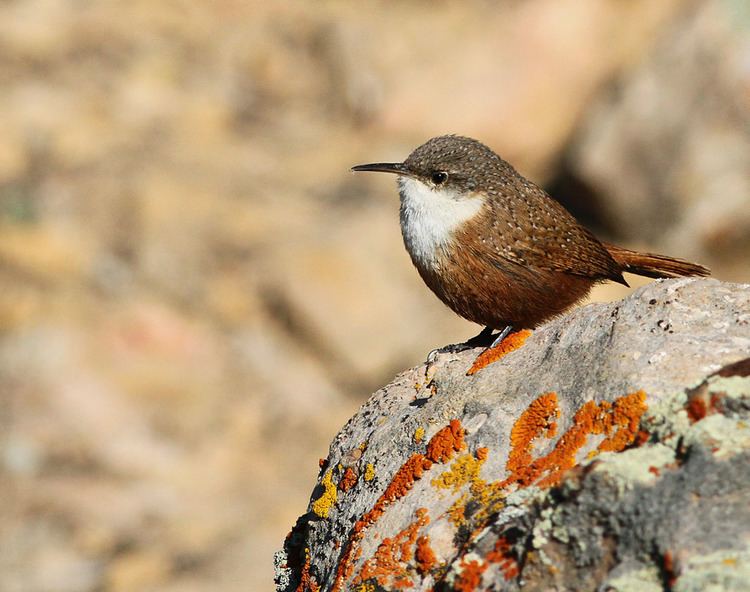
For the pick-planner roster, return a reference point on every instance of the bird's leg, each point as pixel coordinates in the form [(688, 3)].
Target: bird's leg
[(487, 340), (500, 336), (483, 338)]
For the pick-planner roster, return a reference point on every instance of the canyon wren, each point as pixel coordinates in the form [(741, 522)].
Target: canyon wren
[(494, 247)]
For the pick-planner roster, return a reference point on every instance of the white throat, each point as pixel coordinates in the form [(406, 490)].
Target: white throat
[(430, 216)]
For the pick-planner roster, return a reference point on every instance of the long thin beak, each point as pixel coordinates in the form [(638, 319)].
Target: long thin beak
[(397, 168)]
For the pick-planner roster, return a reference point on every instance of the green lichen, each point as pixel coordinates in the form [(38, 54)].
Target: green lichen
[(715, 572), (635, 466), (734, 387), (640, 580), (724, 436), (542, 529), (666, 418)]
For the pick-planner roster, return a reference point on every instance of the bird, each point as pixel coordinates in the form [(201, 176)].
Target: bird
[(495, 247)]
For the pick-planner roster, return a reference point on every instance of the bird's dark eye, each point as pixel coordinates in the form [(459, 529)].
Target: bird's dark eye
[(439, 177)]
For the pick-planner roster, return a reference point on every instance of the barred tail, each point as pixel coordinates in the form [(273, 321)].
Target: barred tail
[(654, 266)]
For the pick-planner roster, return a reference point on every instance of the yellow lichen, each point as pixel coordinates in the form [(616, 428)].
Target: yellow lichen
[(322, 506), (457, 512), (465, 469), (419, 434), (369, 472)]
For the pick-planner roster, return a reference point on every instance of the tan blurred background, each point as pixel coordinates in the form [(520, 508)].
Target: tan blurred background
[(195, 293)]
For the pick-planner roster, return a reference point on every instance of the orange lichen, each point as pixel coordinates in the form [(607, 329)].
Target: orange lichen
[(369, 472), (502, 554), (348, 480), (419, 434), (669, 569), (511, 343), (388, 566), (307, 581), (624, 415), (440, 449), (471, 575), (322, 506), (448, 440), (424, 556), (617, 421), (641, 437), (535, 421), (401, 483), (703, 402), (696, 409)]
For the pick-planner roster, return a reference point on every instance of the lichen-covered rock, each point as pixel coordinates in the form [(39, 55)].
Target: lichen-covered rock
[(611, 451)]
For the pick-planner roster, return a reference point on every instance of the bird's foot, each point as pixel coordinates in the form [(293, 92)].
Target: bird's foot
[(453, 348), (503, 344), (483, 339)]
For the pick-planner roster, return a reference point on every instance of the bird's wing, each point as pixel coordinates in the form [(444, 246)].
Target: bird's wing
[(532, 229)]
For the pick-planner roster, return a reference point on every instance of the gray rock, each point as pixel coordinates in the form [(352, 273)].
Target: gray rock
[(609, 452)]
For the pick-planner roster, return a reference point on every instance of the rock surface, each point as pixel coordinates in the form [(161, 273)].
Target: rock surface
[(610, 452)]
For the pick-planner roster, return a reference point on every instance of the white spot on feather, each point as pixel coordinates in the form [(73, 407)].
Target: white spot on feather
[(430, 216)]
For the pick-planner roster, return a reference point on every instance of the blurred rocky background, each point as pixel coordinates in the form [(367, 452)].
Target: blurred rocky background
[(195, 293)]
